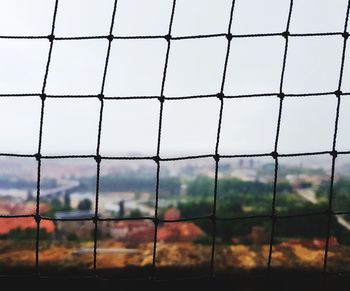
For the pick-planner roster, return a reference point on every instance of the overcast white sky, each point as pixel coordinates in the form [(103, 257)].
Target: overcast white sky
[(195, 67)]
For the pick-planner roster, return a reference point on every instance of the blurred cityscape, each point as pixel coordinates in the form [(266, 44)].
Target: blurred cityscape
[(186, 190)]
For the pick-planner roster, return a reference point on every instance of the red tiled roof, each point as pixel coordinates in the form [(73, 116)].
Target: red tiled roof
[(9, 208), (144, 231), (9, 224), (172, 214), (141, 235), (184, 231)]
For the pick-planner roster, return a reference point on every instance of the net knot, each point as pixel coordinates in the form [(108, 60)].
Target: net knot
[(345, 34), (273, 217), (156, 159), (37, 218), (43, 96), (281, 95), (110, 37), (155, 220), (285, 34), (100, 97), (338, 93), (167, 37), (220, 96), (274, 154), (37, 156), (216, 157), (334, 154), (161, 99), (329, 212), (98, 159), (229, 36), (51, 37)]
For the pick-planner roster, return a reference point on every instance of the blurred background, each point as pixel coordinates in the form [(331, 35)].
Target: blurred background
[(127, 188)]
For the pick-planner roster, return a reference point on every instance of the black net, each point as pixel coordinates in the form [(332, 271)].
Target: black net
[(221, 96)]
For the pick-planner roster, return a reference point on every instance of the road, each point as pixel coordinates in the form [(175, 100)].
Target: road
[(310, 195)]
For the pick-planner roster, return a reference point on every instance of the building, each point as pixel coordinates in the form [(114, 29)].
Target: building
[(78, 228), (133, 231), (14, 208), (128, 231), (10, 224), (81, 226)]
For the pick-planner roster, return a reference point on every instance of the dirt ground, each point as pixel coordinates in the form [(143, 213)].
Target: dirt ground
[(112, 254)]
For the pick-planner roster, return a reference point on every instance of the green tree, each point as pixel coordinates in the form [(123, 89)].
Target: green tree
[(85, 204), (135, 213), (56, 204)]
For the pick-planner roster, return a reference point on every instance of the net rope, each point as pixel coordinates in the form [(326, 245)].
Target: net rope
[(221, 96)]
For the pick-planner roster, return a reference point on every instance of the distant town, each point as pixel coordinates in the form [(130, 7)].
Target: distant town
[(127, 192)]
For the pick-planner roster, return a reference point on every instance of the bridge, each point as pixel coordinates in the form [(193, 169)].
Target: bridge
[(66, 187)]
